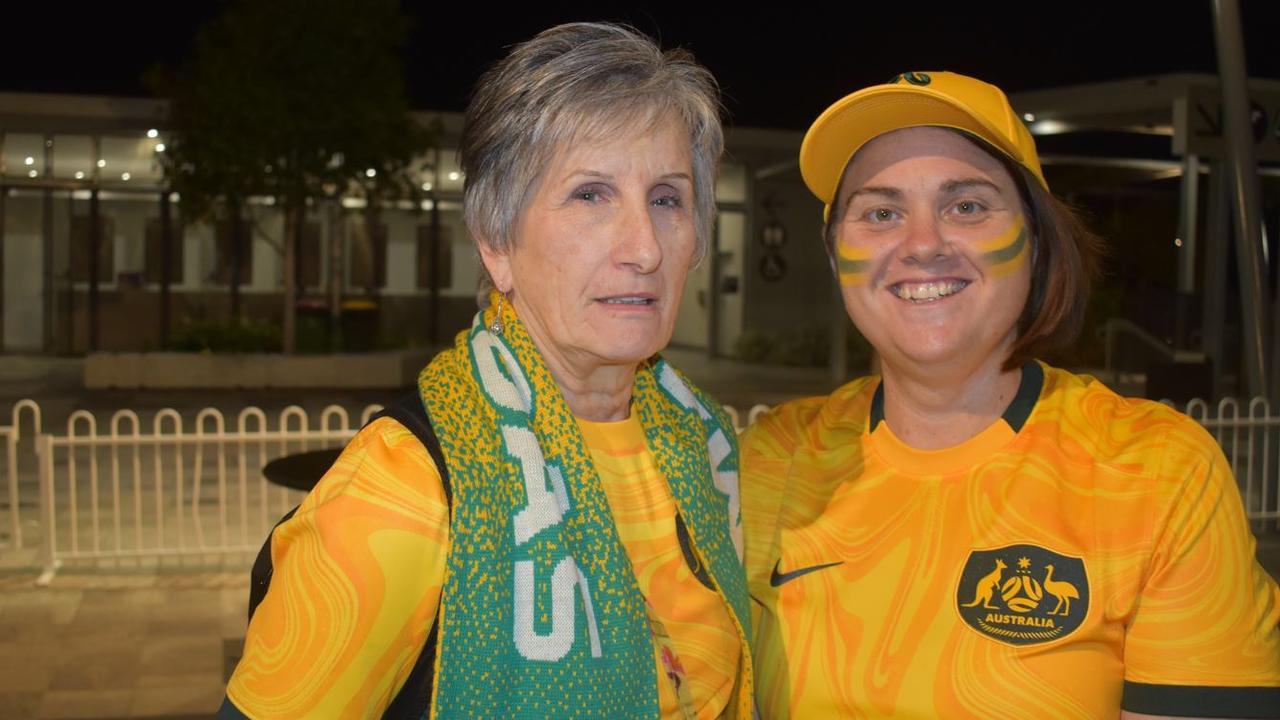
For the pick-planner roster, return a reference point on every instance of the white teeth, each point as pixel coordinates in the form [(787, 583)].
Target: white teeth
[(928, 292)]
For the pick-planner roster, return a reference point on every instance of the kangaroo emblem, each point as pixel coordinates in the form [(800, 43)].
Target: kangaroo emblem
[(986, 587), (1064, 591)]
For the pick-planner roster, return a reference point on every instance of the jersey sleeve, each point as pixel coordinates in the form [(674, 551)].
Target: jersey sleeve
[(1204, 639), (357, 579)]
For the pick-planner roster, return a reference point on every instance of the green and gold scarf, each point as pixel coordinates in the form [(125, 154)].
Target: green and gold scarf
[(541, 612)]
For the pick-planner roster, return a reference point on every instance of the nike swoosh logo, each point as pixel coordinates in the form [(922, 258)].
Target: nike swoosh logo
[(778, 578)]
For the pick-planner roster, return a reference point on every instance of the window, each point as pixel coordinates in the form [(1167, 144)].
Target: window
[(309, 255), (443, 255), (80, 248), (222, 263), (151, 271), (368, 254)]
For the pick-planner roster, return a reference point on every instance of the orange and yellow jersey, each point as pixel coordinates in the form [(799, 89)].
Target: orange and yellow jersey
[(1083, 554), (359, 568), (699, 650)]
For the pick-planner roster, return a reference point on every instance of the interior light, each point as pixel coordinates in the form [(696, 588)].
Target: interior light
[(454, 175), (79, 174), (426, 186), (1177, 242), (33, 173), (1029, 117), (159, 147), (102, 163), (30, 160), (152, 133), (125, 176), (370, 173)]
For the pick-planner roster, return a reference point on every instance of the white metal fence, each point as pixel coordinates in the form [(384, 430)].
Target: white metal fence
[(170, 490), (175, 487), (1249, 435)]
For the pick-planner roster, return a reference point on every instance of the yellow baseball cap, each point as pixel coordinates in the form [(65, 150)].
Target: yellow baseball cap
[(913, 99)]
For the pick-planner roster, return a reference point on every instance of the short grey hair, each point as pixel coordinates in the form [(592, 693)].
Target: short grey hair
[(569, 82)]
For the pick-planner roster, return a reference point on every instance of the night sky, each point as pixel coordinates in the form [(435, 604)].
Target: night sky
[(778, 67)]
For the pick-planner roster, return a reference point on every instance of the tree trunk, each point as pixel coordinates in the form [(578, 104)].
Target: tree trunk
[(292, 226)]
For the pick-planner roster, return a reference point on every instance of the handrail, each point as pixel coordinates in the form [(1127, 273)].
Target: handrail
[(1114, 327)]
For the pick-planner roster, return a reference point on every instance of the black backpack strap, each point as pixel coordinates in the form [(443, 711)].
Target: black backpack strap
[(414, 699), (260, 576)]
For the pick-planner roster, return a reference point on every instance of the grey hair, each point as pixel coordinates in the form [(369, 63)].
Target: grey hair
[(569, 82)]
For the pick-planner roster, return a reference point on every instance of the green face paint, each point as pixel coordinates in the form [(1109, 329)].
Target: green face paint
[(1006, 254), (853, 265)]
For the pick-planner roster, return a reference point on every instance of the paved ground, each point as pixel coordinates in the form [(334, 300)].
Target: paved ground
[(155, 641)]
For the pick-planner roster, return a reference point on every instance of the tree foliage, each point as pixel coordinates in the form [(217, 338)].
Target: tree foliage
[(294, 99)]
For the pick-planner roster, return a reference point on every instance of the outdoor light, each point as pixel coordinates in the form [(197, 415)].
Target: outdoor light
[(79, 174), (370, 173), (454, 175), (30, 160), (125, 176), (102, 163), (1029, 117), (153, 133), (159, 147), (33, 173)]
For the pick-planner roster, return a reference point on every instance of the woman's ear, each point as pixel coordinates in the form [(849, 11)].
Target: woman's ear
[(497, 263)]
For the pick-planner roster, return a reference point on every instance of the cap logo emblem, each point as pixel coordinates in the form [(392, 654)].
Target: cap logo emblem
[(1023, 594), (915, 78)]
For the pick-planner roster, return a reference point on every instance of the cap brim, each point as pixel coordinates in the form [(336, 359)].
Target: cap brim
[(850, 123)]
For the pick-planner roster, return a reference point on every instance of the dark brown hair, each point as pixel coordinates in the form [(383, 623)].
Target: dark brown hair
[(1065, 260)]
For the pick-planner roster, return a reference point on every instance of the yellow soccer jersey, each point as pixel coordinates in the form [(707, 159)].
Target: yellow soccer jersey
[(702, 650), (1084, 553), (360, 567), (357, 577)]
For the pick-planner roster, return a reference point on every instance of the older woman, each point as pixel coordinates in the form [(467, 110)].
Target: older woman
[(975, 533), (575, 548)]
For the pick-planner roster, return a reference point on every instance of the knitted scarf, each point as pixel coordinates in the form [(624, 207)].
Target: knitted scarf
[(541, 612)]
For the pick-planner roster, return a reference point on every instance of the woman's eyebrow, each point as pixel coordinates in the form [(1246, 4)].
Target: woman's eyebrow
[(951, 186), (890, 193)]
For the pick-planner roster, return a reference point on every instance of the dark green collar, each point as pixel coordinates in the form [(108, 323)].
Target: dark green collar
[(1015, 416)]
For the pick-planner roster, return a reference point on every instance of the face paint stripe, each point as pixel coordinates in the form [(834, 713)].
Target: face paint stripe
[(1002, 255)]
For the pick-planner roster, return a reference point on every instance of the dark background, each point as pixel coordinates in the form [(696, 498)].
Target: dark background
[(779, 66)]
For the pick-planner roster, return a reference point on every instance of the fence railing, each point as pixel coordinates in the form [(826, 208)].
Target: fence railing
[(172, 489), (175, 487), (1249, 435)]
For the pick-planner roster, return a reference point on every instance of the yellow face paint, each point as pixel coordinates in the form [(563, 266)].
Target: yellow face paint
[(1006, 254), (853, 265)]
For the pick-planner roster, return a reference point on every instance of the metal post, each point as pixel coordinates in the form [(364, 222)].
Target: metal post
[(1217, 235), (337, 221), (166, 259), (48, 534), (433, 311), (1188, 230), (95, 242), (1243, 169), (4, 195), (713, 292), (46, 233)]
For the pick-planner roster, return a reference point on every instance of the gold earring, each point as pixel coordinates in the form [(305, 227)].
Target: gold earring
[(495, 327)]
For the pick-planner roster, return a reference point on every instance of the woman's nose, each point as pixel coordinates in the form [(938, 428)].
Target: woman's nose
[(924, 242), (638, 244)]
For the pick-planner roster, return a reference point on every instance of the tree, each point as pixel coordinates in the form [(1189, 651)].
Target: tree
[(297, 100)]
